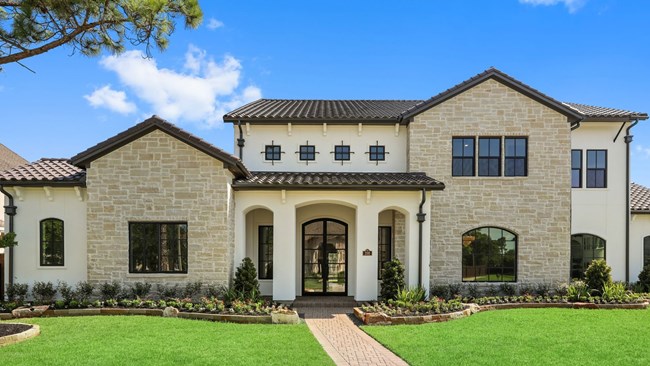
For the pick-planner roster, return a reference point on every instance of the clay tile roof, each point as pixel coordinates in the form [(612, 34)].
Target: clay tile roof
[(306, 110), (9, 159), (46, 171), (594, 112), (325, 180), (639, 199)]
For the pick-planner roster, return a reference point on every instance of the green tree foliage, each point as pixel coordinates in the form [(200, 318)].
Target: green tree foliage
[(392, 279), (598, 274), (8, 240), (33, 27), (246, 279), (644, 278)]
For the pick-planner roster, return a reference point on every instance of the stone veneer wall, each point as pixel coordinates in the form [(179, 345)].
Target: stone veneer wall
[(537, 207), (399, 235), (159, 178)]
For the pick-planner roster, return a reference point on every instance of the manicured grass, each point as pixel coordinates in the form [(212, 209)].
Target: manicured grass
[(137, 340), (525, 337)]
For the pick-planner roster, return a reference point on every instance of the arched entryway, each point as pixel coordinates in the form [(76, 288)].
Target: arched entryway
[(324, 257)]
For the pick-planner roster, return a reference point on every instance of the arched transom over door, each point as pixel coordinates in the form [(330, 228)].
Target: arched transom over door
[(324, 253)]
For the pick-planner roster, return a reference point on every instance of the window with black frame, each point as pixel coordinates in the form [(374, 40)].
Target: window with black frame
[(584, 249), (265, 252), (377, 153), (342, 152), (385, 247), (516, 157), (596, 168), (272, 152), (576, 168), (489, 156), (52, 242), (158, 247), (646, 251), (489, 255), (462, 161), (307, 152)]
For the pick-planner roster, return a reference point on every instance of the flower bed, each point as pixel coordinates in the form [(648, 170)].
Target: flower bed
[(17, 332)]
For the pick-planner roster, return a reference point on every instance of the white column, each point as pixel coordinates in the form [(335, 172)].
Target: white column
[(412, 255), (367, 224), (426, 243), (240, 237), (284, 253)]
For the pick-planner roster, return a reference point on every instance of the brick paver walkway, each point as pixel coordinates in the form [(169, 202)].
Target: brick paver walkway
[(344, 341)]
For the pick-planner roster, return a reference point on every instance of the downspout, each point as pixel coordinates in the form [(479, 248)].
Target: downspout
[(420, 217), (10, 210), (628, 141), (240, 141)]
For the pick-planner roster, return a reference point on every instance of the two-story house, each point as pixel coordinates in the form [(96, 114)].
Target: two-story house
[(490, 181)]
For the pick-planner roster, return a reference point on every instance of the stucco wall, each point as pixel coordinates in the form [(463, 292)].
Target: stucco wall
[(159, 178), (536, 207), (34, 206)]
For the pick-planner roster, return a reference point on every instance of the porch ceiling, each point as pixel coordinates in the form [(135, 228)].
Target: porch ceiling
[(337, 180)]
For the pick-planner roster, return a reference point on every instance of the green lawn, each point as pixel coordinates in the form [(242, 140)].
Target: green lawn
[(525, 337), (138, 340)]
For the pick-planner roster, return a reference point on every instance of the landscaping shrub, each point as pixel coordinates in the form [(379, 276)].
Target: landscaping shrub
[(8, 240), (455, 290), (613, 291), (43, 292), (473, 291), (110, 290), (542, 289), (644, 279), (508, 289), (561, 289), (167, 292), (396, 308), (392, 276), (84, 291), (598, 274), (140, 290), (193, 289), (439, 291), (212, 290), (66, 291), (246, 286), (491, 290), (526, 289), (411, 295), (17, 292), (578, 291)]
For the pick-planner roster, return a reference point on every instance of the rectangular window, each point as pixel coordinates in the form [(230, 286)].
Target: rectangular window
[(307, 152), (52, 242), (489, 156), (158, 247), (342, 152), (377, 153), (385, 247), (596, 168), (576, 168), (272, 152), (516, 157), (462, 164), (646, 251), (265, 252)]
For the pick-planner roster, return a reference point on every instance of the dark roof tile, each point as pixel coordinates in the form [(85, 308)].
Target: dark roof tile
[(639, 199), (44, 172), (594, 112)]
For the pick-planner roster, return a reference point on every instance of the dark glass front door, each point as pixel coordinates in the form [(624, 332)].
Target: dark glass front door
[(324, 257)]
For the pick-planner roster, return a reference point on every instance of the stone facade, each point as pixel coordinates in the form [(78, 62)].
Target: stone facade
[(399, 236), (160, 179), (537, 207)]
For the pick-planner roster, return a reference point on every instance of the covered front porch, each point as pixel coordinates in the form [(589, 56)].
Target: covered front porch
[(317, 241)]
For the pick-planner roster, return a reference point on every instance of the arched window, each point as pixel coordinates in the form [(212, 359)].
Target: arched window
[(51, 242), (584, 249), (646, 251), (489, 255)]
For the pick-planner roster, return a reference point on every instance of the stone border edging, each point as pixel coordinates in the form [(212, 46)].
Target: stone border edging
[(273, 318), (22, 336), (383, 319)]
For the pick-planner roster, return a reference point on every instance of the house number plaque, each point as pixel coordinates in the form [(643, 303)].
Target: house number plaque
[(367, 252)]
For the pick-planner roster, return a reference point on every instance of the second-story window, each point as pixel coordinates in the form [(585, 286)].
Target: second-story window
[(576, 168), (342, 152), (307, 152), (596, 168), (516, 157), (377, 153), (462, 162), (272, 152), (489, 156)]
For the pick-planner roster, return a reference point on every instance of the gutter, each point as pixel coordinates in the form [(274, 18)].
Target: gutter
[(10, 210), (628, 141), (420, 217), (240, 141)]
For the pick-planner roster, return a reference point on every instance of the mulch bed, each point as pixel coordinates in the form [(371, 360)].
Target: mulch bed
[(9, 329)]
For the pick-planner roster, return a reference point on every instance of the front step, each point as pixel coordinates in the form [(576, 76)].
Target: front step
[(324, 302)]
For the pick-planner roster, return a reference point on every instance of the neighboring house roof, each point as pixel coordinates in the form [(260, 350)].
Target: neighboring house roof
[(156, 123), (321, 110), (639, 199), (394, 111), (335, 180), (594, 113), (45, 172), (9, 159)]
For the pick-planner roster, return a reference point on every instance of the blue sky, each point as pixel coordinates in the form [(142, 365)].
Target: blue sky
[(586, 51)]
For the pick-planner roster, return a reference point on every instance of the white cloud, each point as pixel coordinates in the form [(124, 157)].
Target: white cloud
[(642, 151), (214, 24), (571, 5), (111, 99), (202, 93)]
